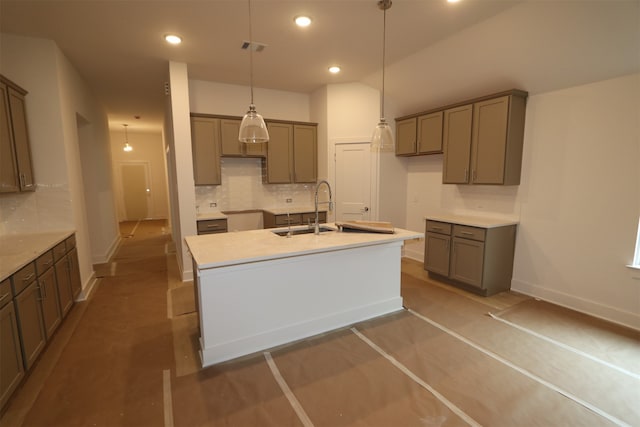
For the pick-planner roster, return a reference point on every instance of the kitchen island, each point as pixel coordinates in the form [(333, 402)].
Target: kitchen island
[(256, 289)]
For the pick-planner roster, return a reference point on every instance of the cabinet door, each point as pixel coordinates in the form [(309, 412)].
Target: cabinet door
[(31, 326), (406, 137), (229, 143), (436, 253), (280, 154), (21, 140), (205, 145), (11, 367), (490, 120), (467, 260), (50, 302), (457, 144), (74, 272), (8, 166), (305, 154), (430, 133), (63, 277)]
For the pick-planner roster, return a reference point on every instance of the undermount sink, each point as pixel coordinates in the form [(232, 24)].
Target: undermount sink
[(306, 230)]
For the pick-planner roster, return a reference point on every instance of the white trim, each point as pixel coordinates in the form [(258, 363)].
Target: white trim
[(111, 251), (88, 288), (592, 308)]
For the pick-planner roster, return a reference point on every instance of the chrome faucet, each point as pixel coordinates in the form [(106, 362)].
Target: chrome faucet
[(330, 202)]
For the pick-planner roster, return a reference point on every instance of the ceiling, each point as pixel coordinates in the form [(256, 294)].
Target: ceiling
[(118, 46), (470, 47)]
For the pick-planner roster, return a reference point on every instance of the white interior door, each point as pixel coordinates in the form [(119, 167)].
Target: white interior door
[(135, 190), (353, 182)]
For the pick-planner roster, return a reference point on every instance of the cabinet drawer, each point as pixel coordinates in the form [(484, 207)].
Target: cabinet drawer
[(466, 232), (70, 242), (59, 250), (212, 226), (438, 227), (5, 292), (293, 219), (44, 262), (23, 278), (310, 217)]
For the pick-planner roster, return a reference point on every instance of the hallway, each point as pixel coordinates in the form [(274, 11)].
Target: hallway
[(128, 357)]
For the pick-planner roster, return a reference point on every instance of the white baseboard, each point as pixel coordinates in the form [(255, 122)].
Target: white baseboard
[(113, 248), (88, 288), (592, 308)]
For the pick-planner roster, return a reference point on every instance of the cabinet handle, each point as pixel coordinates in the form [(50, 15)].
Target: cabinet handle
[(437, 228), (475, 176), (40, 293), (44, 288), (213, 226), (3, 297), (466, 174), (29, 277), (466, 233)]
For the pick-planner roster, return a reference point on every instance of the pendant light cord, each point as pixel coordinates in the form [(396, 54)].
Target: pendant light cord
[(384, 39), (250, 54)]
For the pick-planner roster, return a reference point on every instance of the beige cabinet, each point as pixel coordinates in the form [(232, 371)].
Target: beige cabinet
[(419, 135), (457, 144), (292, 154), (31, 323), (271, 220), (212, 226), (48, 290), (483, 141), (232, 147), (11, 364), (74, 272), (63, 278), (16, 171), (474, 258), (205, 148)]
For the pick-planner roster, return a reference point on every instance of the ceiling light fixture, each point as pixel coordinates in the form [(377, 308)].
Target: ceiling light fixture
[(302, 21), (334, 69), (382, 137), (253, 129), (126, 147), (173, 39)]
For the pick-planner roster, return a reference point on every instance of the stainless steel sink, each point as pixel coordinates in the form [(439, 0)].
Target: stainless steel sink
[(306, 230)]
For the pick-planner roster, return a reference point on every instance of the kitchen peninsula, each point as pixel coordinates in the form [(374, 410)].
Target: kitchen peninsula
[(256, 289)]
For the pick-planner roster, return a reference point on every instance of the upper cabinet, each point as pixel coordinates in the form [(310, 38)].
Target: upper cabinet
[(205, 148), (419, 135), (292, 153), (231, 145), (483, 141), (16, 172)]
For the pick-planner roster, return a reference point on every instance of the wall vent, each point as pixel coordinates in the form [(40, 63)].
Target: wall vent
[(255, 46)]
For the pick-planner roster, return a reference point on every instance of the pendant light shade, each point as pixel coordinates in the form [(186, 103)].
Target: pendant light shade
[(253, 129), (382, 139)]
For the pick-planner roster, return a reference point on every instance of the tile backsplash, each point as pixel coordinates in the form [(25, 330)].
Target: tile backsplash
[(242, 189)]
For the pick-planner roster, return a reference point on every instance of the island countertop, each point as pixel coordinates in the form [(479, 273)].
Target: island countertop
[(241, 247)]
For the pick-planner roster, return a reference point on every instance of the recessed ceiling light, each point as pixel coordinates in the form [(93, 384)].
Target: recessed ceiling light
[(453, 1), (334, 69), (302, 21), (173, 39)]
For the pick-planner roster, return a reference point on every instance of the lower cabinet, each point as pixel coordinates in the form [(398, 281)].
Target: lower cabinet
[(11, 365), (212, 226), (475, 258), (272, 220), (63, 277), (31, 323)]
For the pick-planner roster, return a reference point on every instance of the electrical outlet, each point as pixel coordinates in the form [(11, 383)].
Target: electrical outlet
[(289, 200), (213, 204)]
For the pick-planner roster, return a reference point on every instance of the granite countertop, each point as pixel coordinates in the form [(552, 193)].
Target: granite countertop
[(472, 221), (18, 250), (241, 247), (210, 215), (293, 210)]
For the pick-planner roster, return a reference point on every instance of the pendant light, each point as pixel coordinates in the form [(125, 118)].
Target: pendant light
[(253, 128), (382, 137), (126, 147)]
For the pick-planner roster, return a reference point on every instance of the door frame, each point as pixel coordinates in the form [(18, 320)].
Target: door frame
[(374, 169)]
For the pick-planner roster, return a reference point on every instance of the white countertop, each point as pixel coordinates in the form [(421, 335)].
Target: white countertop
[(17, 250), (472, 221), (210, 215), (240, 247), (293, 210)]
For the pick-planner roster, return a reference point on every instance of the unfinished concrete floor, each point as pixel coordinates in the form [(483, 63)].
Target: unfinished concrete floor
[(128, 357)]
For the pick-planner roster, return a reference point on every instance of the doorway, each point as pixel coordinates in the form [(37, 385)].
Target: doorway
[(134, 183), (353, 181)]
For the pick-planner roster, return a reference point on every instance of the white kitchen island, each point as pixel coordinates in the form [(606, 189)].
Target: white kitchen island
[(257, 290)]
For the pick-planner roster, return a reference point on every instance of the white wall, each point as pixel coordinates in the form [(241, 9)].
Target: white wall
[(578, 202), (147, 148), (62, 114)]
